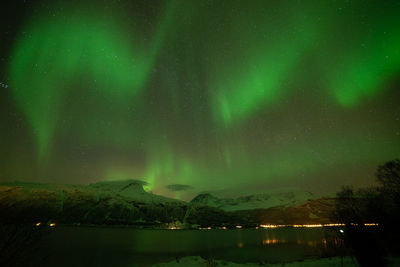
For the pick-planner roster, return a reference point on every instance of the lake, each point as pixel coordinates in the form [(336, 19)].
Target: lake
[(102, 246)]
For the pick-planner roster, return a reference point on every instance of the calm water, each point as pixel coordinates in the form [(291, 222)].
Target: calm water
[(92, 246)]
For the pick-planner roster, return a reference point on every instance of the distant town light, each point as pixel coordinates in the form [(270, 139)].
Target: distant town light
[(341, 230), (272, 241), (308, 225), (311, 225), (371, 224), (52, 224), (38, 224), (239, 226), (273, 225), (175, 227)]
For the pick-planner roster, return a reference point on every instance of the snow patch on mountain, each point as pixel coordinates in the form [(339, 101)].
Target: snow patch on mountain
[(130, 190), (259, 201)]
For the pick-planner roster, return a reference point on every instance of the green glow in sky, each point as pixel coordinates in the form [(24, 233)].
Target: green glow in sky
[(368, 69), (234, 96), (261, 66), (53, 54)]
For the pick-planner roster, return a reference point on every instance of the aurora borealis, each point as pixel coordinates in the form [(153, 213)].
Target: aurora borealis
[(236, 97)]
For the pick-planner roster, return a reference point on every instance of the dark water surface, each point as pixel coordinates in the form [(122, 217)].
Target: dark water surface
[(101, 246)]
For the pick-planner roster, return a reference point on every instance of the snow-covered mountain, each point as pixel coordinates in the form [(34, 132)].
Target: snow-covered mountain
[(129, 189), (259, 201), (253, 210), (125, 202), (116, 202)]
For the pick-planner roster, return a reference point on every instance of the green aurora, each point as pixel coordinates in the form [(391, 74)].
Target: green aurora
[(238, 96)]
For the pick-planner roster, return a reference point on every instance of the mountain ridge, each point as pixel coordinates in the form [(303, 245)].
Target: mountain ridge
[(125, 202), (250, 202)]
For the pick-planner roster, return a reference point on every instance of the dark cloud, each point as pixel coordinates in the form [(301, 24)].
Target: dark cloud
[(179, 187), (122, 182)]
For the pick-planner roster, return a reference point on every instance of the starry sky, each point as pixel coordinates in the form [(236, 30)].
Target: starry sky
[(232, 97)]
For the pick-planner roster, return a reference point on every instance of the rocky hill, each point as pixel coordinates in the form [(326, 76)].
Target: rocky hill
[(259, 201), (126, 203), (284, 208), (119, 202), (314, 211)]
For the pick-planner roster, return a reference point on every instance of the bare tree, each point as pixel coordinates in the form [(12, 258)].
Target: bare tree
[(388, 176)]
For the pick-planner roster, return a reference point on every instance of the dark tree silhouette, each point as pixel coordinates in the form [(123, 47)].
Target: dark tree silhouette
[(350, 210), (371, 203), (380, 204), (346, 206), (388, 176)]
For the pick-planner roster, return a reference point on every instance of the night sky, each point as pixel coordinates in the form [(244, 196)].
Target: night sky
[(230, 97)]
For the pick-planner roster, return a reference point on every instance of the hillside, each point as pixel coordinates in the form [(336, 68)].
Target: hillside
[(250, 202), (282, 208), (120, 202), (126, 203)]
